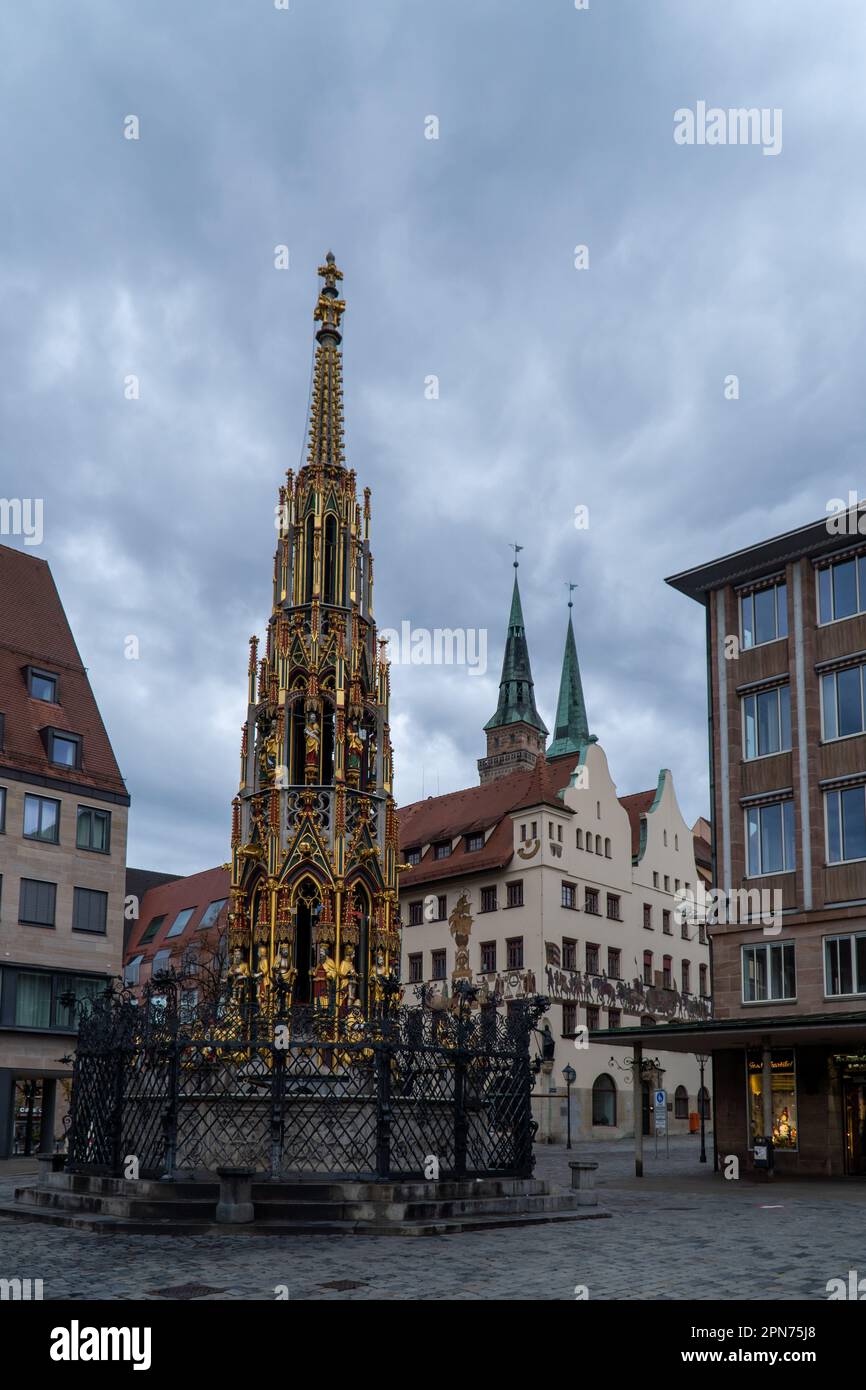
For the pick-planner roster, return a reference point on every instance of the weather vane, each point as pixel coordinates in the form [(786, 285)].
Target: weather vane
[(571, 588), (517, 549)]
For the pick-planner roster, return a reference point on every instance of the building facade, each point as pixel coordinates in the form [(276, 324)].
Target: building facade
[(63, 823), (181, 927), (542, 880), (786, 660)]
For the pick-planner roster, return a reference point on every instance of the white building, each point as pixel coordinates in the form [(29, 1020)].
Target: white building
[(570, 892)]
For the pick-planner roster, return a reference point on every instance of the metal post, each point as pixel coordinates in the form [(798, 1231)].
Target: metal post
[(382, 1061), (637, 1106), (702, 1108), (568, 1112)]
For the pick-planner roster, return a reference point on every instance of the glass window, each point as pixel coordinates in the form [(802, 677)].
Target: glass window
[(131, 970), (770, 838), (488, 899), (442, 851), (613, 907), (43, 686), (768, 972), (36, 903), (84, 987), (842, 705), (783, 1102), (614, 958), (841, 590), (474, 843), (33, 1000), (180, 921), (488, 957), (161, 962), (212, 912), (846, 824), (93, 829), (2, 809), (413, 856), (416, 967), (41, 819), (514, 893), (152, 929), (767, 722), (64, 750), (569, 954), (569, 895), (439, 967), (681, 1103), (89, 911), (845, 964), (764, 615), (514, 953), (590, 901)]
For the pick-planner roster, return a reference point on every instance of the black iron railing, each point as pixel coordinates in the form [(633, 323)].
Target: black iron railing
[(301, 1091)]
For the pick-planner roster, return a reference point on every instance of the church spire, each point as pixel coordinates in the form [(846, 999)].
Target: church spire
[(516, 733), (326, 411), (571, 729)]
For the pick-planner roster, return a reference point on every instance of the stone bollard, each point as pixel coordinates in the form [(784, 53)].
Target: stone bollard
[(235, 1205), (583, 1181), (49, 1163)]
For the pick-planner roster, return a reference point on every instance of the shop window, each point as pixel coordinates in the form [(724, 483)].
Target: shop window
[(604, 1100), (783, 1105)]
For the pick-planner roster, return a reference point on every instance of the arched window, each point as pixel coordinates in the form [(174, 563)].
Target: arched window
[(604, 1100), (676, 842), (309, 550), (598, 848), (329, 580), (588, 842), (580, 839), (704, 1102), (681, 1103), (607, 853)]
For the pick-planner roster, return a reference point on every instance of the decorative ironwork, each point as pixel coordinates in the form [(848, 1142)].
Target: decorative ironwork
[(294, 1090)]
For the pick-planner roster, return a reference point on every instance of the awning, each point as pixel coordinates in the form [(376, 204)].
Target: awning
[(727, 1034)]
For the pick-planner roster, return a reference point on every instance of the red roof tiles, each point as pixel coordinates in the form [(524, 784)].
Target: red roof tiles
[(34, 631), (167, 900)]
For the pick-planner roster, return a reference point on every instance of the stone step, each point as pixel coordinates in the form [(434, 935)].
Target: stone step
[(109, 1225)]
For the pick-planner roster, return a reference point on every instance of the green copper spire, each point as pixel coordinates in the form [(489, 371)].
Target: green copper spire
[(516, 689), (572, 728)]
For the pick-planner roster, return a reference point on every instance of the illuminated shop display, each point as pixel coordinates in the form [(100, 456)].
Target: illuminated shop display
[(784, 1097)]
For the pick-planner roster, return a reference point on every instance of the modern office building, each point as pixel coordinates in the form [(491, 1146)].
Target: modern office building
[(786, 657)]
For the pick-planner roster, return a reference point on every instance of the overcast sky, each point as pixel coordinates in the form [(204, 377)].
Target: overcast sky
[(559, 387)]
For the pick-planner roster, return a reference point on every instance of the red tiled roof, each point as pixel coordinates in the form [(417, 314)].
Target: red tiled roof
[(167, 900), (34, 631), (637, 805)]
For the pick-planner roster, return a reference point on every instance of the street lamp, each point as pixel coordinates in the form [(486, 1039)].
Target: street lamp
[(702, 1062), (570, 1077)]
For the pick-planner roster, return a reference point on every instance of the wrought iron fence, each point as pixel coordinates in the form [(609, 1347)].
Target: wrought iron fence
[(299, 1091)]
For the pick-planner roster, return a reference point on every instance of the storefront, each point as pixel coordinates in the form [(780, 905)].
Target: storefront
[(799, 1080)]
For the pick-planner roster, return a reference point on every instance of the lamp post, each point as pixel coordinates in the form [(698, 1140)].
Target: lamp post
[(702, 1062), (570, 1075)]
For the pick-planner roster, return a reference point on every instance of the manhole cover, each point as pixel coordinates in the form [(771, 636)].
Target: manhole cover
[(186, 1291), (341, 1285)]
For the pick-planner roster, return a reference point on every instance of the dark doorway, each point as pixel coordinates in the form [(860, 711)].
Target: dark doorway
[(28, 1118), (855, 1127), (304, 919)]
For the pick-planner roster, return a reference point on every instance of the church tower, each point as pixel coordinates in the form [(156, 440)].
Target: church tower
[(314, 827), (516, 734), (571, 729)]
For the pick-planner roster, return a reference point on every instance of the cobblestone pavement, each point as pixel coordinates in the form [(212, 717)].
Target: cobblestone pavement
[(680, 1233)]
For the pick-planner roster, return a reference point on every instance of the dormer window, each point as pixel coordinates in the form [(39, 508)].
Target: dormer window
[(42, 685), (413, 856), (64, 748), (474, 842), (442, 850)]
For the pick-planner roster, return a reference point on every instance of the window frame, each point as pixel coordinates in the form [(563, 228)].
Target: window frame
[(784, 729), (31, 921), (837, 792), (92, 812), (834, 939), (856, 558), (749, 596), (42, 673), (759, 809), (66, 736), (42, 801), (766, 948), (77, 899)]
